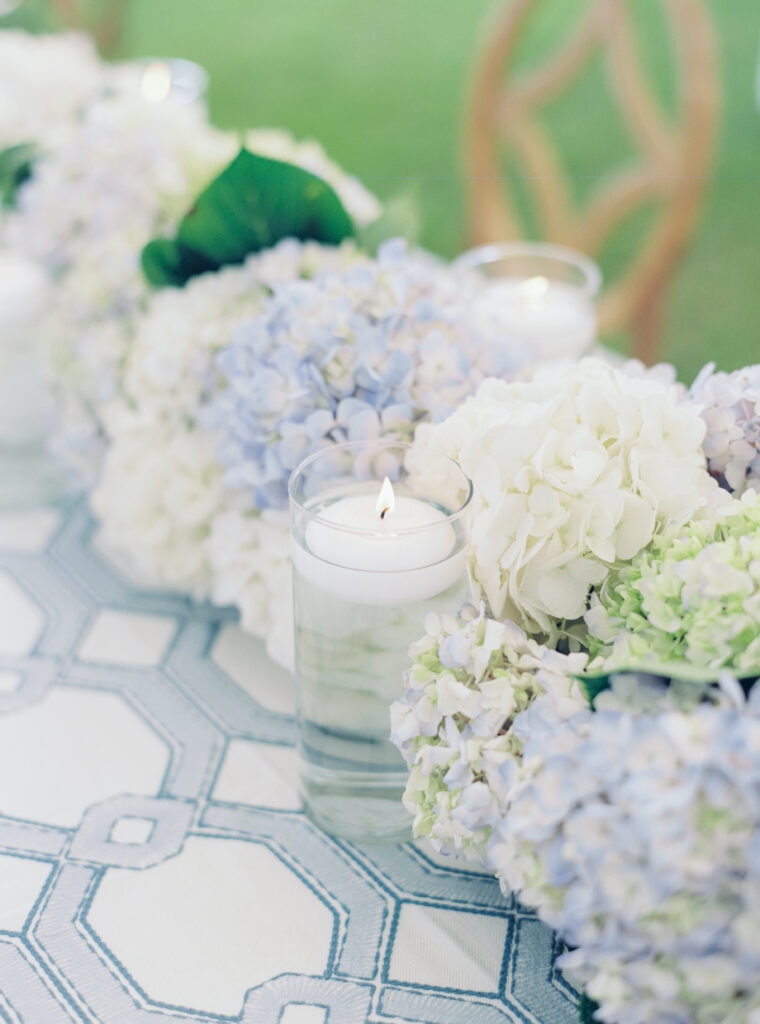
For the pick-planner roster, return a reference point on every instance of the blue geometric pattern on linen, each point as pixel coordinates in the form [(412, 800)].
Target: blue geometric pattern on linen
[(154, 865)]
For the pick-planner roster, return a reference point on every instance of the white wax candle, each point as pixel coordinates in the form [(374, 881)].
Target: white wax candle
[(24, 400), (555, 318), (374, 562), (23, 291)]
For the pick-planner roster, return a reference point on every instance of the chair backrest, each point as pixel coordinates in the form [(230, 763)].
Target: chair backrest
[(671, 166), (106, 29)]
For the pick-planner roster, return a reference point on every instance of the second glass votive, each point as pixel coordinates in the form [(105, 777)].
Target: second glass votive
[(375, 547), (173, 80), (28, 475), (545, 293)]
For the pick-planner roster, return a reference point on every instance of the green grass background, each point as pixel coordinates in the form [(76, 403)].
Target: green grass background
[(381, 83)]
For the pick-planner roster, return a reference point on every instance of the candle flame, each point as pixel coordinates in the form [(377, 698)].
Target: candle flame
[(156, 82), (386, 501), (535, 287)]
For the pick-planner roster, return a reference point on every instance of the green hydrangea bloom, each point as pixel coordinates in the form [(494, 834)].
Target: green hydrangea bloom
[(692, 596)]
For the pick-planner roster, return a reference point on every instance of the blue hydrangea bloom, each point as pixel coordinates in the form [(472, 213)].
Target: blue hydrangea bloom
[(637, 837), (352, 355)]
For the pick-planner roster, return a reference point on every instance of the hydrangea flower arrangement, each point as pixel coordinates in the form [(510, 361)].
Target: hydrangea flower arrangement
[(47, 80), (637, 837), (470, 679), (692, 596), (633, 828), (237, 345), (161, 496), (573, 472), (731, 411), (124, 173), (372, 350)]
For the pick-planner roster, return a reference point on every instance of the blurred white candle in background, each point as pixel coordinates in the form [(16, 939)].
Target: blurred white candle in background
[(173, 80), (553, 317), (28, 477), (543, 296), (23, 291), (24, 401)]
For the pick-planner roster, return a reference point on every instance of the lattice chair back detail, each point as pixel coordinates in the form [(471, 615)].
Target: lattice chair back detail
[(673, 154), (106, 27)]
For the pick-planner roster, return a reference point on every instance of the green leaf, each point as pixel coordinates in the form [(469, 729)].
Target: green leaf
[(594, 685), (16, 164), (254, 203), (668, 672), (586, 1010), (166, 263)]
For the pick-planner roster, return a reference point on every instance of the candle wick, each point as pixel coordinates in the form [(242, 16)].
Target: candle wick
[(386, 509)]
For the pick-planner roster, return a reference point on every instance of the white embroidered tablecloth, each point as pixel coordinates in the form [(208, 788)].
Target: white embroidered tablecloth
[(154, 864)]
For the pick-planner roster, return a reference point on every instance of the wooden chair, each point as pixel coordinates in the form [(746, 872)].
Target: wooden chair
[(106, 28), (671, 167)]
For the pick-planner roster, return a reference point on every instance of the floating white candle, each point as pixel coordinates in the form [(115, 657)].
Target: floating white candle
[(368, 566), (544, 296), (381, 550), (553, 317), (24, 400), (23, 292), (156, 82)]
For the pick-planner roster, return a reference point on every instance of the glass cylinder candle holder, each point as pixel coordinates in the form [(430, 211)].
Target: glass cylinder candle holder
[(375, 547), (546, 295), (28, 476), (173, 80)]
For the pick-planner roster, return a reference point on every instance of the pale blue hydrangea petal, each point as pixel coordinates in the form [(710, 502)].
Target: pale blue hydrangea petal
[(731, 410)]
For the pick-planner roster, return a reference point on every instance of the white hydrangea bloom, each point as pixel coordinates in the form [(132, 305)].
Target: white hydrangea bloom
[(573, 472), (250, 559), (158, 492), (46, 82), (126, 174), (161, 496)]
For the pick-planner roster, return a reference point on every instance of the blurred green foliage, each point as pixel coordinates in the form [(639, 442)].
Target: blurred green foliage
[(381, 83)]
